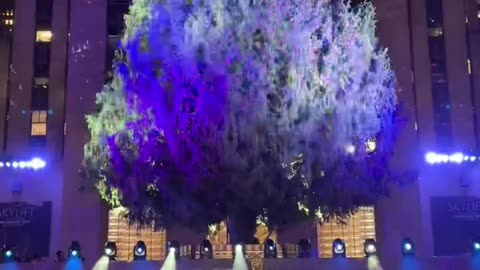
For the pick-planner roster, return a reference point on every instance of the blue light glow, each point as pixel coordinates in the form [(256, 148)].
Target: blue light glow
[(8, 253), (74, 253), (34, 164), (434, 158)]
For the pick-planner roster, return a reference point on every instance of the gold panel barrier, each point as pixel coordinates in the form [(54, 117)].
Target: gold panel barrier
[(127, 235), (359, 227), (354, 232)]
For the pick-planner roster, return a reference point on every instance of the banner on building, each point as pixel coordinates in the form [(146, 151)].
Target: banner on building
[(455, 223), (27, 227)]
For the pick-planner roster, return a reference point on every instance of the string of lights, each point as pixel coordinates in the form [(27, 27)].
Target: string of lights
[(434, 158), (33, 164)]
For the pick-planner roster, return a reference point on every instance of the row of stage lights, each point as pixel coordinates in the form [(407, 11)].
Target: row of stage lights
[(407, 248), (339, 249), (34, 164)]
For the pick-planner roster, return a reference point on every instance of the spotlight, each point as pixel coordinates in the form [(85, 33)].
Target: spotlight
[(339, 250), (140, 251), (370, 247), (239, 249), (206, 251), (475, 247), (174, 247), (304, 248), (111, 250), (74, 250), (269, 249), (8, 253), (408, 248)]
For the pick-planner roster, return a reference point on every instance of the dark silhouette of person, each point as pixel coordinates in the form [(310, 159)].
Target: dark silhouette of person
[(60, 256)]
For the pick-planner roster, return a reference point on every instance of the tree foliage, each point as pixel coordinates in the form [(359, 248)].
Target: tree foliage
[(244, 109)]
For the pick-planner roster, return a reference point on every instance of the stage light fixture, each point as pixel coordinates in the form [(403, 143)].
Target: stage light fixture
[(74, 250), (110, 250), (206, 250), (140, 251), (239, 249), (270, 249), (8, 253), (339, 250), (174, 247), (370, 247), (304, 248), (476, 247), (408, 248)]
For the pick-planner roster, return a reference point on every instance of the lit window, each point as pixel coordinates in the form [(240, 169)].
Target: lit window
[(39, 123), (44, 36), (436, 32), (358, 227), (41, 82)]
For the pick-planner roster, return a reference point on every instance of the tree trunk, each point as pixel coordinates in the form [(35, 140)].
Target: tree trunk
[(241, 228)]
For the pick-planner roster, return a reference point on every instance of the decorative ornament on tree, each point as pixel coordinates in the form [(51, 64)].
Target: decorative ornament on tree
[(239, 109)]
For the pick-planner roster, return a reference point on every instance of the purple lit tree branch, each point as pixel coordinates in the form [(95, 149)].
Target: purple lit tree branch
[(243, 110)]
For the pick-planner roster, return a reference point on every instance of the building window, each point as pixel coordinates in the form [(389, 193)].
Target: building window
[(116, 11), (40, 93), (40, 82), (39, 99), (39, 123), (359, 227), (435, 32), (126, 236), (478, 7), (42, 59), (44, 36), (6, 17), (438, 74), (44, 13)]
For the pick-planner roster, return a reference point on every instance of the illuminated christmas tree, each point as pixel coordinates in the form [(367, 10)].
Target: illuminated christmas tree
[(266, 110)]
